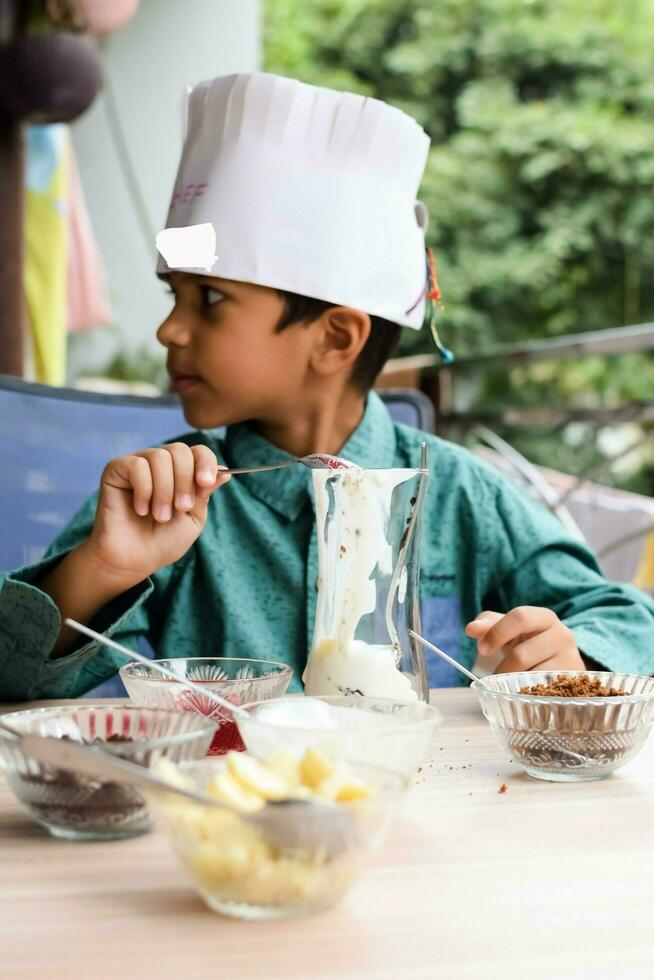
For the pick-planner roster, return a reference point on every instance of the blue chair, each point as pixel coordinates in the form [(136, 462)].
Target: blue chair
[(410, 407), (55, 442)]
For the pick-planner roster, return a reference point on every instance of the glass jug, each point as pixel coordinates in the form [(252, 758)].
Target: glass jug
[(368, 524)]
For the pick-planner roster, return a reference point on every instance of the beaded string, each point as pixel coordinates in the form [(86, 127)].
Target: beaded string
[(435, 298), (432, 292)]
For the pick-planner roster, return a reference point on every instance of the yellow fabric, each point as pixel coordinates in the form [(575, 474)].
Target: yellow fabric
[(46, 270), (644, 577)]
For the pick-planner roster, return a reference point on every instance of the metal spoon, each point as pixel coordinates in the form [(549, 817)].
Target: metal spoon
[(315, 461), (322, 825), (318, 827), (92, 761), (154, 665), (580, 759), (445, 656)]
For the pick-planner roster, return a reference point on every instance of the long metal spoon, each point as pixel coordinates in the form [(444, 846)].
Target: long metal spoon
[(318, 827), (445, 656), (315, 461), (154, 665), (92, 761), (580, 759), (312, 831)]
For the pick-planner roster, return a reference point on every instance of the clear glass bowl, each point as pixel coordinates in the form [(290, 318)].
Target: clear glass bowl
[(568, 739), (373, 731), (79, 807), (239, 873), (237, 680)]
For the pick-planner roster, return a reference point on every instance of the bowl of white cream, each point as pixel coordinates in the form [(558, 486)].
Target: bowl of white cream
[(377, 731)]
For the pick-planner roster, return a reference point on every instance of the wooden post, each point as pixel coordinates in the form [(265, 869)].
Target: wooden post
[(11, 223)]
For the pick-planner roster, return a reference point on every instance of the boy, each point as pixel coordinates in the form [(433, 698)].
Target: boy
[(320, 262)]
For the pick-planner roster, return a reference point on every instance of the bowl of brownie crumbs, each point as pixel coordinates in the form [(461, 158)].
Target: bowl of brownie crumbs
[(568, 726), (80, 807)]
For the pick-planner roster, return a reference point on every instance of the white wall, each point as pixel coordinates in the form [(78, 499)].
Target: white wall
[(168, 44)]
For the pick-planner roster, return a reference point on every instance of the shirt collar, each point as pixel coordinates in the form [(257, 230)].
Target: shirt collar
[(371, 445)]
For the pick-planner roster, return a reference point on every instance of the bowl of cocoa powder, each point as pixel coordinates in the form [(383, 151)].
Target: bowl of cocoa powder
[(568, 725), (80, 807)]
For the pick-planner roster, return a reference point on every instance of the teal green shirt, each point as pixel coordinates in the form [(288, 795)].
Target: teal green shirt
[(247, 587)]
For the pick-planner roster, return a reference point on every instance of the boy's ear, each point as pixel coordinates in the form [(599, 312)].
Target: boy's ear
[(341, 338)]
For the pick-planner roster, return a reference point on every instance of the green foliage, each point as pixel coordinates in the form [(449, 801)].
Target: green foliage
[(539, 181)]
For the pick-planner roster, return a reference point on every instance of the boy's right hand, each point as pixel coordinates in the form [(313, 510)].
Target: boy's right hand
[(151, 508)]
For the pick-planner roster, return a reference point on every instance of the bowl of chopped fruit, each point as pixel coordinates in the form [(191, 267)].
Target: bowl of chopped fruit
[(571, 725), (285, 836)]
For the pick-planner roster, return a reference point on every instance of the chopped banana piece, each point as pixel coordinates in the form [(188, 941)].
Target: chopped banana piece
[(228, 790), (315, 768), (214, 823), (342, 787), (168, 771), (352, 791), (287, 766), (256, 777), (247, 784)]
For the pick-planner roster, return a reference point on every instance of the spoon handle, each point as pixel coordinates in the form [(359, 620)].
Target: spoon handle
[(236, 471), (445, 656), (95, 762), (153, 665)]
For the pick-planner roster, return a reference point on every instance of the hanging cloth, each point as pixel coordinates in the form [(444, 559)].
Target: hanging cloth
[(46, 250), (88, 303)]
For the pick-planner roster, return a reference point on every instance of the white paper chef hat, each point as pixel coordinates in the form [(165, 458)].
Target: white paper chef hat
[(309, 190)]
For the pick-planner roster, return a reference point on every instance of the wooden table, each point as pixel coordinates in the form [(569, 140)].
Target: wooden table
[(544, 880)]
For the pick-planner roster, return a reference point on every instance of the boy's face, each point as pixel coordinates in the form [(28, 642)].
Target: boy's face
[(225, 358)]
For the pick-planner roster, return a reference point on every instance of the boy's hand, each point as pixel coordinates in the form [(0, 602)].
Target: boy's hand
[(151, 508), (530, 637)]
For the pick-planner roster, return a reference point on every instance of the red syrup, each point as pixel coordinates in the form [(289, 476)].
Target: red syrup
[(226, 739)]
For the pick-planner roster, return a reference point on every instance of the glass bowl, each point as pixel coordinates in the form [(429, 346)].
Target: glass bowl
[(568, 739), (239, 873), (375, 731), (237, 680), (79, 807)]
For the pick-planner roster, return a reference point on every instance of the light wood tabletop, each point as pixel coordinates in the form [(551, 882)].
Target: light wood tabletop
[(543, 880)]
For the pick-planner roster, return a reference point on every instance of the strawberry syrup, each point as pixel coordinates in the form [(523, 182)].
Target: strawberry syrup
[(226, 739)]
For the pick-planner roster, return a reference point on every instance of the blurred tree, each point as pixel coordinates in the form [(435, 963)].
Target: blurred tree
[(539, 181)]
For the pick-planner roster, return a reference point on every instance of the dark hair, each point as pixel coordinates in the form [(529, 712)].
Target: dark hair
[(379, 346)]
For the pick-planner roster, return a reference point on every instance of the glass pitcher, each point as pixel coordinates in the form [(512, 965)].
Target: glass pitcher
[(368, 525)]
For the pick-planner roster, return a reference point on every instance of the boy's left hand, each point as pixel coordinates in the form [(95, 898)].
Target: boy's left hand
[(530, 637)]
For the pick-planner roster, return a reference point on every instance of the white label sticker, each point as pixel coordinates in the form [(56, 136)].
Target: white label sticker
[(193, 247)]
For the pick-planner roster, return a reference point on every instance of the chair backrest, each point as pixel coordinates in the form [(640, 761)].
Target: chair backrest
[(54, 444), (410, 407)]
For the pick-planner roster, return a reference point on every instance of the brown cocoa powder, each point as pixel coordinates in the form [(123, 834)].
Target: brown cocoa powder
[(73, 799), (573, 687)]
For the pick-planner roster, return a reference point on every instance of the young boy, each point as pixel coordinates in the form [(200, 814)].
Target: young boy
[(320, 262)]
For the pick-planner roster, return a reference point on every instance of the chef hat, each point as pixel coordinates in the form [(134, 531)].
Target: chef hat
[(309, 190)]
